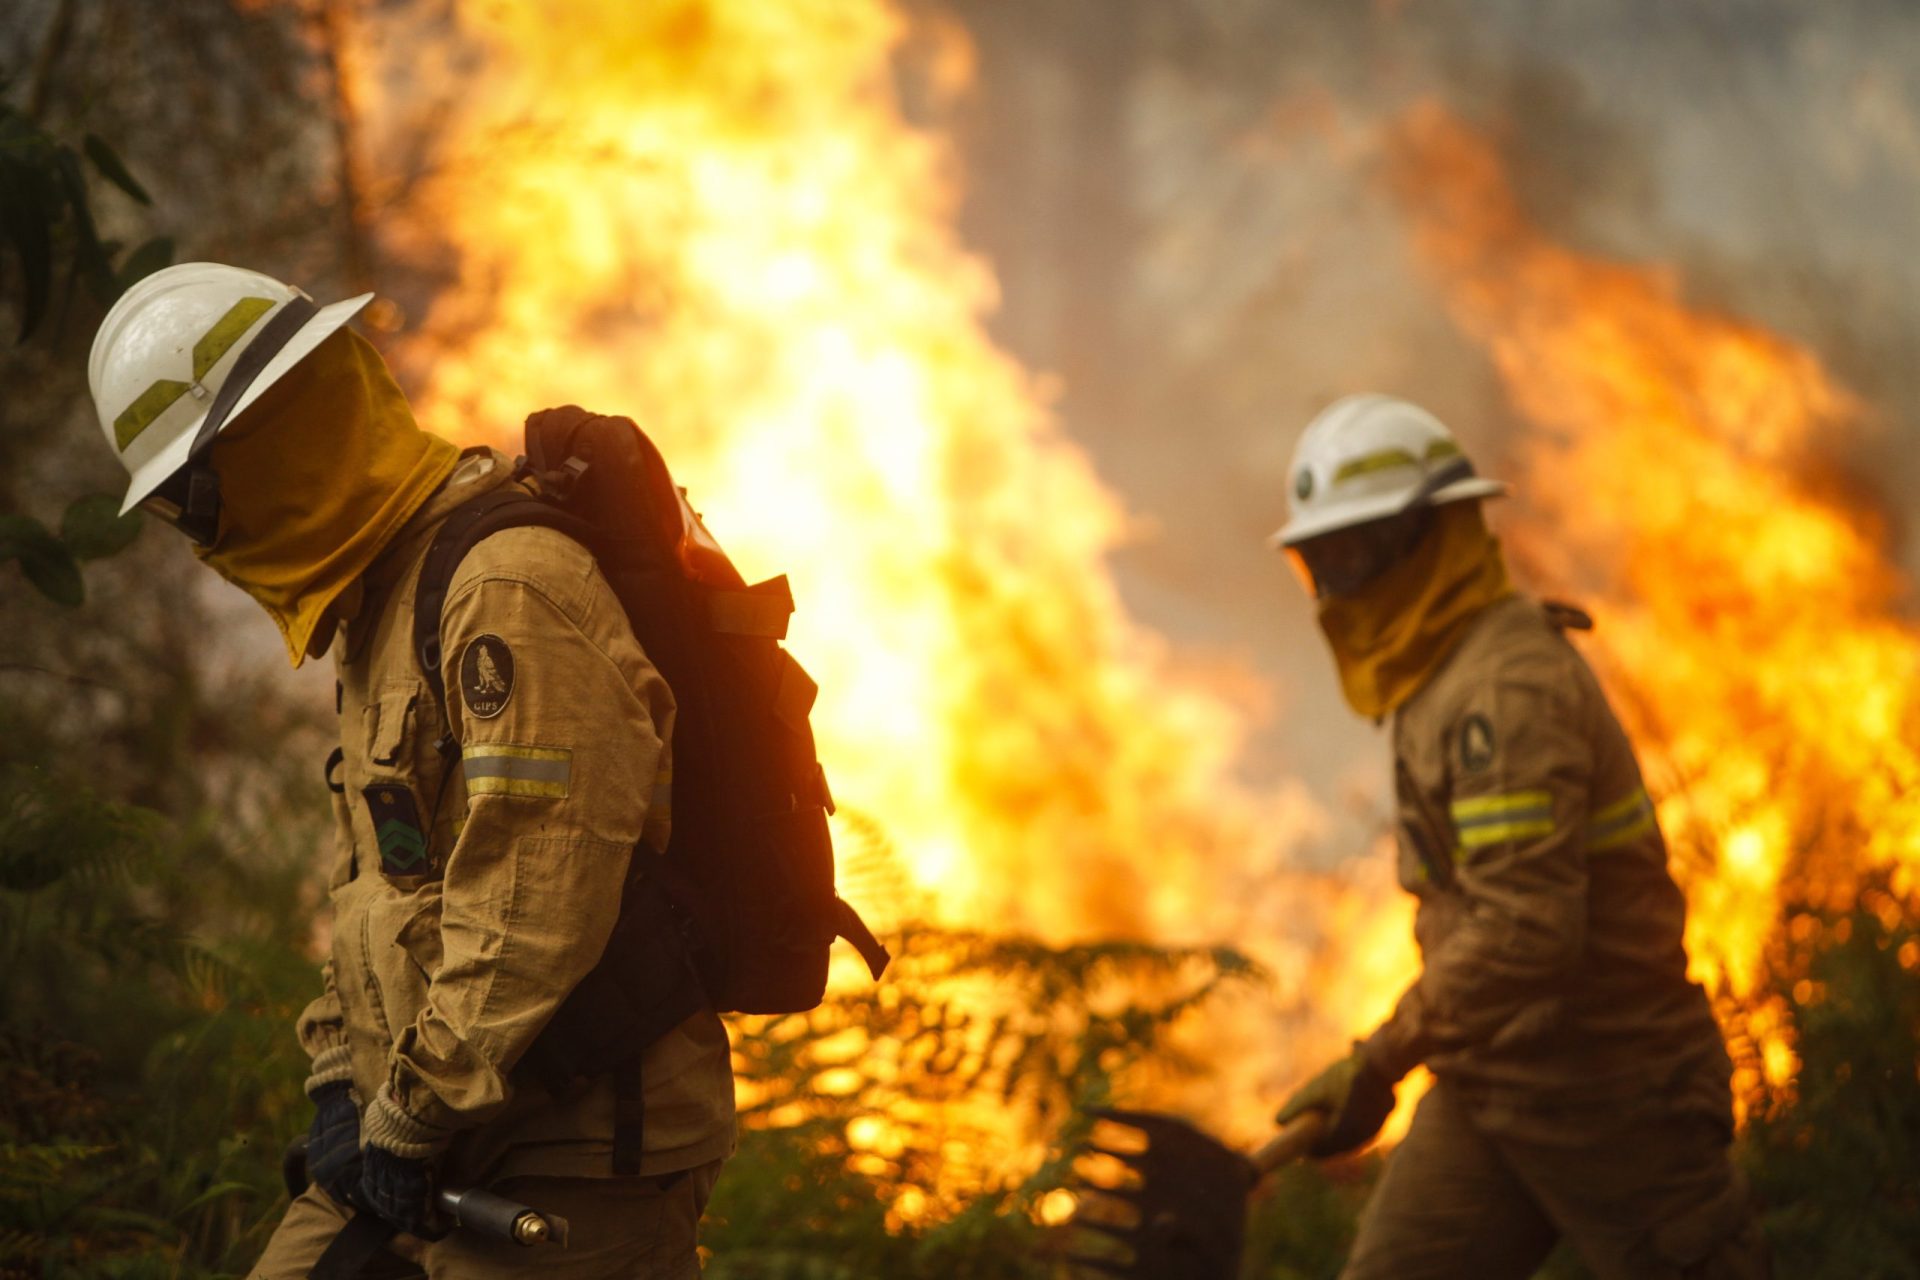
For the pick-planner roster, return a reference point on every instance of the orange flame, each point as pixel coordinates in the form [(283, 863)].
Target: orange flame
[(1749, 611), (710, 214)]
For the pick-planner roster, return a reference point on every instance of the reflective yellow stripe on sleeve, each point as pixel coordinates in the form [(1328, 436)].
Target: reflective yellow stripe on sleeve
[(1488, 820), (501, 769), (1622, 822)]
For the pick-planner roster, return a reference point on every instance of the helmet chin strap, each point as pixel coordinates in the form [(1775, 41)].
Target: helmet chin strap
[(189, 499), (266, 344), (1452, 473)]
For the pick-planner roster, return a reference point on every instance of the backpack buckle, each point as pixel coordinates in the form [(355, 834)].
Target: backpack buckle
[(559, 483)]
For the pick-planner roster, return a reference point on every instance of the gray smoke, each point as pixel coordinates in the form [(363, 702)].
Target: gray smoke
[(1189, 227)]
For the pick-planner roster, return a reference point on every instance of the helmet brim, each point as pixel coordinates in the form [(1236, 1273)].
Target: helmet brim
[(1312, 525), (154, 472)]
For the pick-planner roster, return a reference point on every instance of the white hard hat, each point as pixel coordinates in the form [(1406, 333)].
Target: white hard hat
[(169, 347), (1368, 457)]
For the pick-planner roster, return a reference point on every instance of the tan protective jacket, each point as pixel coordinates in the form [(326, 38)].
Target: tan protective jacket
[(1549, 927), (473, 890)]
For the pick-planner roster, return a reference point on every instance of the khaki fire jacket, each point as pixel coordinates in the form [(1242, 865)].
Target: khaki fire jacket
[(473, 888), (1550, 929)]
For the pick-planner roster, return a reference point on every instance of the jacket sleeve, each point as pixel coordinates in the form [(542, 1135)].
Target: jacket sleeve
[(561, 722), (1520, 777), (321, 1028), (322, 1033)]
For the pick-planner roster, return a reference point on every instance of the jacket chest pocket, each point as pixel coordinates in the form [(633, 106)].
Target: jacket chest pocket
[(392, 793)]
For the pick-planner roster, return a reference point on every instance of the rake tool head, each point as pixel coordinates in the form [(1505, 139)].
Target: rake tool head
[(1191, 1203)]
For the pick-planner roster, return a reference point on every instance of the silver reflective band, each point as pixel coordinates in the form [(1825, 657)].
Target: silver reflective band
[(1622, 822), (1481, 821), (506, 770)]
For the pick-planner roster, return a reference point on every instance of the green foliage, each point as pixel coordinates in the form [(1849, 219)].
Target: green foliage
[(91, 528), (149, 970), (1838, 1165), (975, 1054), (47, 562), (113, 170), (47, 217), (1303, 1224), (790, 1208), (147, 1079)]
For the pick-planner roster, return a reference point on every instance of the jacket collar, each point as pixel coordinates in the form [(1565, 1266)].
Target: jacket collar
[(480, 470)]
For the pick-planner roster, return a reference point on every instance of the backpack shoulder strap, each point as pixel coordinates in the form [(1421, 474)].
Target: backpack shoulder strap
[(1566, 617), (508, 507)]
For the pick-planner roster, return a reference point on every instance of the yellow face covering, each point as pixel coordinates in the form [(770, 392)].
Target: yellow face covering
[(1390, 638), (316, 477)]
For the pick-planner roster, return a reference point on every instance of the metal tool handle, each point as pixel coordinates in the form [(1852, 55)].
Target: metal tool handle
[(487, 1214), (1291, 1143)]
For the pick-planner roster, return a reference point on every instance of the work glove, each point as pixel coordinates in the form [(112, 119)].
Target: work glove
[(397, 1189), (1355, 1096), (333, 1142)]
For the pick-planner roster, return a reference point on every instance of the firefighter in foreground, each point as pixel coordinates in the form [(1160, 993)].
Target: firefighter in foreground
[(483, 844), (1581, 1089)]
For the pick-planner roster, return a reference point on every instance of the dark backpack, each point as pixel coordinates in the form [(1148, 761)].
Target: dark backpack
[(740, 913)]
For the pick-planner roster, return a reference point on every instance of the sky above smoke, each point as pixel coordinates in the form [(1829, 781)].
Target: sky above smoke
[(1185, 209)]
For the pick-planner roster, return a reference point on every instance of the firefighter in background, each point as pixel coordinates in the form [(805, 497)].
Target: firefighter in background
[(479, 873), (1581, 1088)]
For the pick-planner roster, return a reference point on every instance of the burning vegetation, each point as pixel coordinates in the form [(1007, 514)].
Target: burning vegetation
[(716, 216), (1676, 479)]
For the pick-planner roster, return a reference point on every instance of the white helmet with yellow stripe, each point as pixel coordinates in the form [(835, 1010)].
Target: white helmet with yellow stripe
[(182, 354), (1370, 457)]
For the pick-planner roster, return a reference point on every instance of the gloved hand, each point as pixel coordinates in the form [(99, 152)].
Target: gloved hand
[(398, 1189), (1356, 1098), (333, 1142)]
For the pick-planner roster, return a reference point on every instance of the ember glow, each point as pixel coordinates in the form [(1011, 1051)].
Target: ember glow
[(1750, 623)]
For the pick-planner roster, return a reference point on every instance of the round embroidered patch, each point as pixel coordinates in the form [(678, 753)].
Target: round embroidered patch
[(486, 676), (1476, 743)]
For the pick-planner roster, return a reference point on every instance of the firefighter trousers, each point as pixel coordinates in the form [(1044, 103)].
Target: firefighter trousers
[(1649, 1195), (629, 1228)]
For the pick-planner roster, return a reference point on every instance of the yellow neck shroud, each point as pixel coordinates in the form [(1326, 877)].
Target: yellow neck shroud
[(1390, 639), (316, 478)]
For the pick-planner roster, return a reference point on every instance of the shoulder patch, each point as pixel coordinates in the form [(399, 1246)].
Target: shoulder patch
[(486, 676), (1476, 743)]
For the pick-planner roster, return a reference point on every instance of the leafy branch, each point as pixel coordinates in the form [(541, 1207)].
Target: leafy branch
[(92, 528), (46, 216)]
